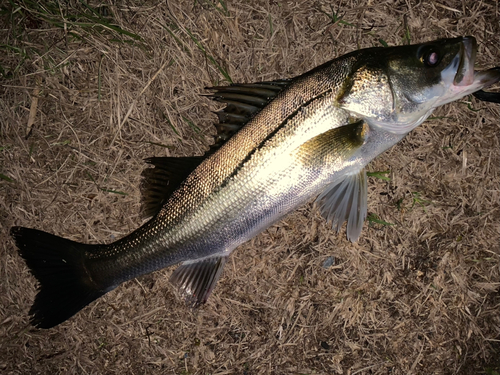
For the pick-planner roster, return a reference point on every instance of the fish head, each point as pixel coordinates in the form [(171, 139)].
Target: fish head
[(397, 88)]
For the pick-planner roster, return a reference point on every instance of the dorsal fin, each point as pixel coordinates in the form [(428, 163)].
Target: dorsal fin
[(159, 183), (243, 101)]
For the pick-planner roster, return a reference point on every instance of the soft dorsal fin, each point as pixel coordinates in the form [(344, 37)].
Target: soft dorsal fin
[(196, 280), (159, 183), (243, 101), (346, 201)]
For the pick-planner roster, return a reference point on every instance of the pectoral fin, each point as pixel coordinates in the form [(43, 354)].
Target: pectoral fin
[(346, 201), (196, 280)]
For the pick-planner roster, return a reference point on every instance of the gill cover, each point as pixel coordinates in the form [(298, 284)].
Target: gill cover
[(396, 88)]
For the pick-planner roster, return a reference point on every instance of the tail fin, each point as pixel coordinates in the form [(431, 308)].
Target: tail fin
[(59, 265)]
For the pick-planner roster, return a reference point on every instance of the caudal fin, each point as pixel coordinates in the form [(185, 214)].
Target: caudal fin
[(59, 265)]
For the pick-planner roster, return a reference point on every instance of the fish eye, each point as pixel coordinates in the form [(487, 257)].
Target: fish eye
[(430, 57)]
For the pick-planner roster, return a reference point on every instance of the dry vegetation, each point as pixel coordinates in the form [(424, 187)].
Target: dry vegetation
[(90, 89)]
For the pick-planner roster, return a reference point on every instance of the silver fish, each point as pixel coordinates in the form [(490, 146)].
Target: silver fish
[(280, 144)]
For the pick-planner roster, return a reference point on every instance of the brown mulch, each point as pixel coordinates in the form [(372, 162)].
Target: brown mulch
[(82, 104)]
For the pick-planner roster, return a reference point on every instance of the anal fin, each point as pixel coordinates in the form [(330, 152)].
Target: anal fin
[(196, 280), (346, 201)]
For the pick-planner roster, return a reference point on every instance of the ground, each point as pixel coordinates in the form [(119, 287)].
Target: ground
[(91, 89)]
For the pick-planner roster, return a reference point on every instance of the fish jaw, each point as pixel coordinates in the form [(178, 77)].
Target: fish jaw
[(481, 80), (460, 79), (467, 56), (465, 80), (418, 89)]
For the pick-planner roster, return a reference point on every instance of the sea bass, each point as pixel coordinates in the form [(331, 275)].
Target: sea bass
[(280, 144)]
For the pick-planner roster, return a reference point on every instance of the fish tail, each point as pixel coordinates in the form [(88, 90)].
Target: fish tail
[(65, 285)]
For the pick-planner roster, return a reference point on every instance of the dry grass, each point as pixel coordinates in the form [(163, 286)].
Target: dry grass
[(418, 297)]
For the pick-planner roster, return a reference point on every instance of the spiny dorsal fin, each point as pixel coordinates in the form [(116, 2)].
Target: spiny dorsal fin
[(346, 201), (160, 182), (196, 280), (243, 101)]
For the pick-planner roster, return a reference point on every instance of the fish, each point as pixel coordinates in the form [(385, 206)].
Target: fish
[(279, 144)]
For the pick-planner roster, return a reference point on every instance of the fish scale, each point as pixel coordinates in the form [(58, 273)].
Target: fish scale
[(280, 144), (202, 201)]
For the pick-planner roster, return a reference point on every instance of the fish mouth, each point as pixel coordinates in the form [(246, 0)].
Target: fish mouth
[(466, 57), (466, 77)]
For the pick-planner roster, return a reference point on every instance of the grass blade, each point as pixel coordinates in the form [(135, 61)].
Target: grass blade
[(192, 125), (5, 178), (380, 175), (212, 60), (373, 218)]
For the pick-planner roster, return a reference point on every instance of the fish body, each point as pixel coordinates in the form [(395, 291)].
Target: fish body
[(296, 139)]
